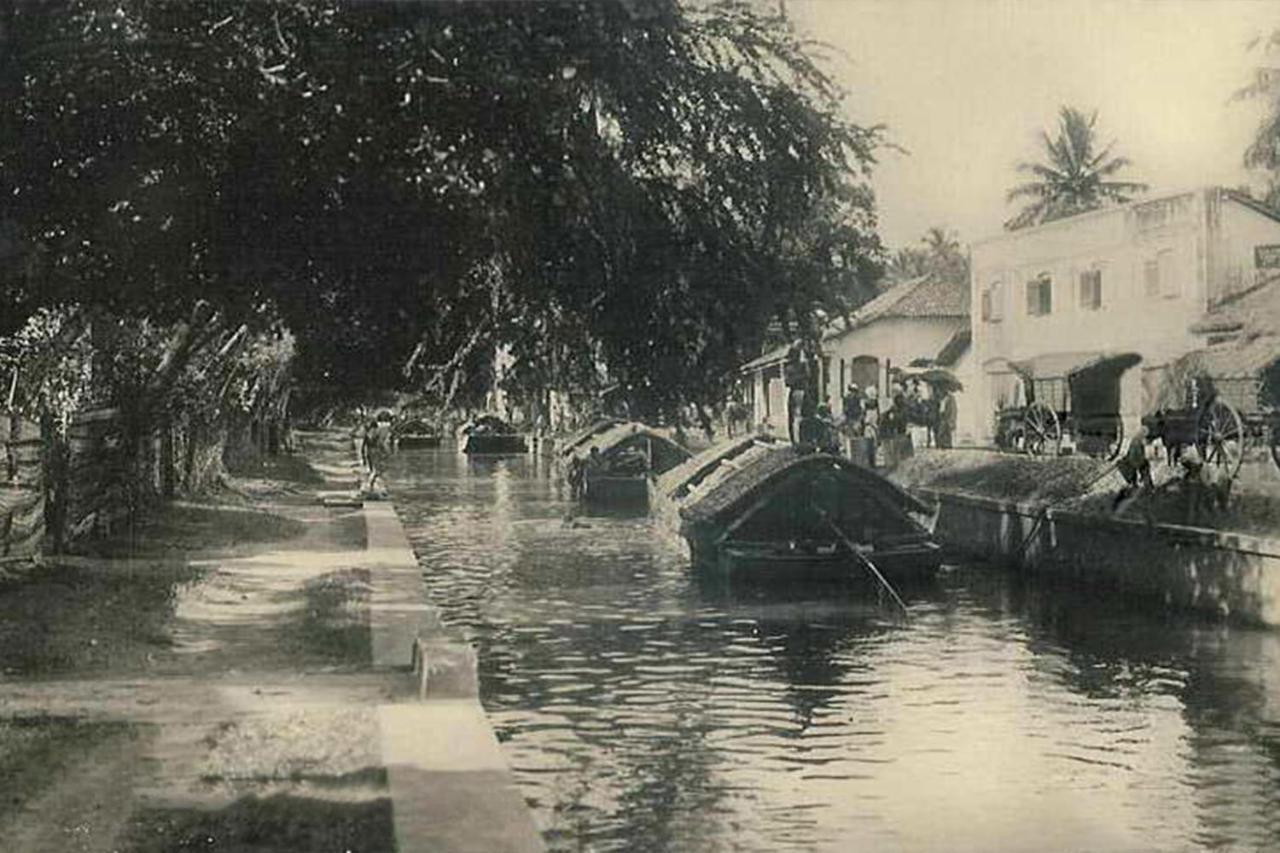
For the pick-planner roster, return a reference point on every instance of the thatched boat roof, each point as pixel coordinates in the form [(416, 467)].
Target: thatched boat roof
[(715, 499), (619, 434), (696, 469), (414, 426), (579, 438), (487, 423)]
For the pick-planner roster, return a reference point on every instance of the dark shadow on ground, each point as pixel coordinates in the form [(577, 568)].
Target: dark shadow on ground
[(34, 751), (86, 619), (331, 628), (182, 528), (283, 467), (277, 824)]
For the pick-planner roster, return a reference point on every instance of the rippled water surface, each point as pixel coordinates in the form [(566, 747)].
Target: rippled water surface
[(644, 710)]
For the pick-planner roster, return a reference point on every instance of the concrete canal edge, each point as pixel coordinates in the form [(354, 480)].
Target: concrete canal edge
[(1220, 572), (450, 786)]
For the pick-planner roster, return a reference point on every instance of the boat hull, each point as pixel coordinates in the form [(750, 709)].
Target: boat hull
[(493, 444), (416, 441), (616, 491), (904, 563)]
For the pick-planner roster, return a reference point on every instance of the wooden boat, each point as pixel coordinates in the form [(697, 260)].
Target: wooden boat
[(491, 435), (762, 508), (628, 456), (575, 441), (416, 433)]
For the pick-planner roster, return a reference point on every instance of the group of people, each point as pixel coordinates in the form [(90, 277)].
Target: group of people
[(811, 422), (1206, 488)]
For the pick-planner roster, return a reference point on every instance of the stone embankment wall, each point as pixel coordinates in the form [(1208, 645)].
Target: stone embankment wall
[(1214, 571)]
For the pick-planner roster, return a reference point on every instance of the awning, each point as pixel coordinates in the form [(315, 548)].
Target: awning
[(772, 357), (1232, 360), (1065, 364)]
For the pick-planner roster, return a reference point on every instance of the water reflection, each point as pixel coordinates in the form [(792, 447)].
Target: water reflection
[(643, 708)]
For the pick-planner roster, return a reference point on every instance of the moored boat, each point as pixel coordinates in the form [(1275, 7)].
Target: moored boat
[(491, 435), (416, 433), (571, 444), (618, 462), (762, 508)]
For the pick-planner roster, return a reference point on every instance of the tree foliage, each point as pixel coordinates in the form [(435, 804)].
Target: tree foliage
[(641, 187), (939, 254), (1074, 176), (1263, 151)]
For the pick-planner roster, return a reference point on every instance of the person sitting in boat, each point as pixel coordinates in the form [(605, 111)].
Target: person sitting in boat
[(594, 463), (629, 462)]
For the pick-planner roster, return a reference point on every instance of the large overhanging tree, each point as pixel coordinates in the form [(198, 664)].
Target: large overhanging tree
[(638, 187)]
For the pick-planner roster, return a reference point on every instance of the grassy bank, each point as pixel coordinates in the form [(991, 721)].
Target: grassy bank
[(1088, 485)]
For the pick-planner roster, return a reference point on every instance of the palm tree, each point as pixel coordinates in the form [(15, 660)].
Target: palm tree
[(1073, 178)]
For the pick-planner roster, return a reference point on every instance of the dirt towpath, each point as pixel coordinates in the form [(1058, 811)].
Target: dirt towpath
[(207, 682)]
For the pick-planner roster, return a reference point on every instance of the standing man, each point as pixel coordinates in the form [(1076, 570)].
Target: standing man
[(375, 450), (796, 375), (946, 420), (851, 410)]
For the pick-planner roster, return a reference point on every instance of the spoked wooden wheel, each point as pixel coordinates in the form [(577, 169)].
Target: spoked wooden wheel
[(1220, 436), (1040, 430)]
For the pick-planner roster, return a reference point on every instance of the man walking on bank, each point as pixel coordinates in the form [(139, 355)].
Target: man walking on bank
[(376, 446)]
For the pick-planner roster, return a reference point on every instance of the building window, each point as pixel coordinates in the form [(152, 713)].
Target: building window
[(1040, 295), (1151, 278), (993, 302), (1091, 290)]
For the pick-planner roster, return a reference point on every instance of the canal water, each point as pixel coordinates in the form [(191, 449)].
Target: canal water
[(643, 710)]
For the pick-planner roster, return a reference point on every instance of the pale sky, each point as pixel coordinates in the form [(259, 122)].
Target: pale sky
[(966, 86)]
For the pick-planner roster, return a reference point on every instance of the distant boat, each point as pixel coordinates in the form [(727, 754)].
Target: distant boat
[(416, 433), (760, 507), (489, 434), (629, 456)]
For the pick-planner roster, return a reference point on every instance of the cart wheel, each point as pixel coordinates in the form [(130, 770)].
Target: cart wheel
[(1220, 435), (1041, 430), (1116, 445)]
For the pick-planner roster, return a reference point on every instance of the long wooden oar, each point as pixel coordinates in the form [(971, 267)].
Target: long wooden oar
[(866, 563), (1044, 510)]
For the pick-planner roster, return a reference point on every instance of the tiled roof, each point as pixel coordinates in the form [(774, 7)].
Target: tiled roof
[(926, 297)]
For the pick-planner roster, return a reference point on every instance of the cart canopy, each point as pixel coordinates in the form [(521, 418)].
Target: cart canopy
[(1244, 373), (1068, 365), (1248, 360)]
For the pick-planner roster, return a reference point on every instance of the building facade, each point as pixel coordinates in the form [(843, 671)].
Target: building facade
[(1131, 279), (916, 320)]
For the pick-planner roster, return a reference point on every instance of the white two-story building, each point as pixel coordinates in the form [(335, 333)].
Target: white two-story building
[(1129, 279)]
